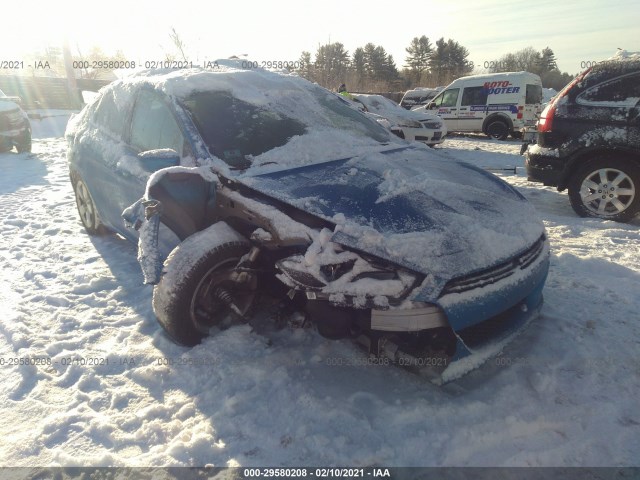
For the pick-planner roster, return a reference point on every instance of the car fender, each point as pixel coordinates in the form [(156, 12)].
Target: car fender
[(182, 198), (584, 154)]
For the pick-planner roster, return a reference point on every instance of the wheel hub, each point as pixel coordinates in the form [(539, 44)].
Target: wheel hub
[(607, 191)]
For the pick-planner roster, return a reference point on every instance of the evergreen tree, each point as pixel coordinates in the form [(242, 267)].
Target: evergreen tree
[(306, 69), (419, 54), (449, 61), (547, 60), (331, 64)]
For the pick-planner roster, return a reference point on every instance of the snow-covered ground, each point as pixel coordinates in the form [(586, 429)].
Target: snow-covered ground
[(118, 392)]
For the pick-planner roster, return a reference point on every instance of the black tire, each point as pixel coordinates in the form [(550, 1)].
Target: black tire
[(87, 209), (25, 147), (606, 187), (183, 300), (497, 129)]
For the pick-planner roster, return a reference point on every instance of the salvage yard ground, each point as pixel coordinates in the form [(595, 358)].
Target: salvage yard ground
[(118, 392)]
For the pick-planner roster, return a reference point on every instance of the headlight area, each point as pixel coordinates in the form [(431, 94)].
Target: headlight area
[(354, 296)]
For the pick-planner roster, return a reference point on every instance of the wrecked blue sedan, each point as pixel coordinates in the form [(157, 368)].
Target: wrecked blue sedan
[(235, 182)]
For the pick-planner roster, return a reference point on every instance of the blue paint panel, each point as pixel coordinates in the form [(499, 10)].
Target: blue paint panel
[(464, 315)]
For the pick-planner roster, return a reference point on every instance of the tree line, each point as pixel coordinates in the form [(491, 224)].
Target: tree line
[(370, 68)]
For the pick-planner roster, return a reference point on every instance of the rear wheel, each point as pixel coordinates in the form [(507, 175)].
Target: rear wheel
[(87, 209), (196, 295), (606, 187), (25, 145), (497, 129)]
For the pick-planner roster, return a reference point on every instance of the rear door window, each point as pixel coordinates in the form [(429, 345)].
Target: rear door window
[(623, 91), (474, 96), (153, 126), (108, 116), (534, 94)]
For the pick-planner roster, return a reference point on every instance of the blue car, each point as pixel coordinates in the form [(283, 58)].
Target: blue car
[(238, 182)]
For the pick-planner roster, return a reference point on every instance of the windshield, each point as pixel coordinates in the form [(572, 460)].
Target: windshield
[(380, 104), (238, 131)]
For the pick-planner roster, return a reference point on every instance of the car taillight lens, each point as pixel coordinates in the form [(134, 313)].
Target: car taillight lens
[(545, 123), (546, 118), (519, 115)]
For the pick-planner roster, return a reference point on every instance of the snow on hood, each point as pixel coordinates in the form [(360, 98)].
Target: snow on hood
[(381, 105), (412, 207)]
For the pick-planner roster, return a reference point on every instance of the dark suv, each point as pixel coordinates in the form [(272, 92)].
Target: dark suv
[(589, 142)]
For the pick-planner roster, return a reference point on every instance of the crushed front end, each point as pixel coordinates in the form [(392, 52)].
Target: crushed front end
[(441, 329)]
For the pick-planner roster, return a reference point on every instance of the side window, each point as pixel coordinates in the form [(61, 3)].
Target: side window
[(621, 91), (108, 116), (153, 125), (448, 98), (534, 94), (474, 96)]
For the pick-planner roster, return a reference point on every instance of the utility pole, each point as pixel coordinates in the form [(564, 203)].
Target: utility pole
[(74, 93)]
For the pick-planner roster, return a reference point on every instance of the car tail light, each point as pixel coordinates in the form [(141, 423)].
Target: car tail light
[(519, 115), (545, 123), (546, 118)]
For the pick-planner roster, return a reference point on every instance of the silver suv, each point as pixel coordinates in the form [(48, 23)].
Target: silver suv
[(15, 129)]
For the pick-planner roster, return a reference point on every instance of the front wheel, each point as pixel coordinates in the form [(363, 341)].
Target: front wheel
[(198, 294), (606, 187)]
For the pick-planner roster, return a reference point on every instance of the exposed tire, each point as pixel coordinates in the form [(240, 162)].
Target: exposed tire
[(25, 147), (194, 294), (606, 187), (87, 209), (497, 129)]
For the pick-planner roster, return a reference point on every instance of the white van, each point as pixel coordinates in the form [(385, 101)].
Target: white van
[(497, 104)]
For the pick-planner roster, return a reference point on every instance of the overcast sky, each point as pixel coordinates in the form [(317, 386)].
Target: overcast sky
[(577, 31)]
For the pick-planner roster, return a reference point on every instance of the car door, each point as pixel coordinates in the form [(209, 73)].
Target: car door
[(446, 107), (99, 152), (473, 109), (153, 127)]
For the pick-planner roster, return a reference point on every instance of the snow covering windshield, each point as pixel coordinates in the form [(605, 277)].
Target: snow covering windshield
[(251, 118)]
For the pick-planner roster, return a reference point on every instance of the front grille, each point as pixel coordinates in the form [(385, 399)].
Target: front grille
[(494, 274)]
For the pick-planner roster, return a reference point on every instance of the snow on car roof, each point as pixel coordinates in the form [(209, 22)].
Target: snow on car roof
[(624, 55)]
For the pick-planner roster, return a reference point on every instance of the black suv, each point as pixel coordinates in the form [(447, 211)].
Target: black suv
[(15, 129), (589, 142)]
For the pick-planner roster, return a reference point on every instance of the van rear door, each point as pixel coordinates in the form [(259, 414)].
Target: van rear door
[(473, 109), (533, 104)]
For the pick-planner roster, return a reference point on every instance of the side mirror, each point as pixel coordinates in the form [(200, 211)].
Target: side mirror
[(431, 106), (152, 160)]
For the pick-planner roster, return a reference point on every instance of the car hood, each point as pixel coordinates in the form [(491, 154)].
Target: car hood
[(412, 207), (407, 115)]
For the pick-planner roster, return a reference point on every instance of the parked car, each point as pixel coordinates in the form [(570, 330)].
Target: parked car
[(588, 142), (234, 182), (421, 127), (15, 129), (496, 104), (418, 97)]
